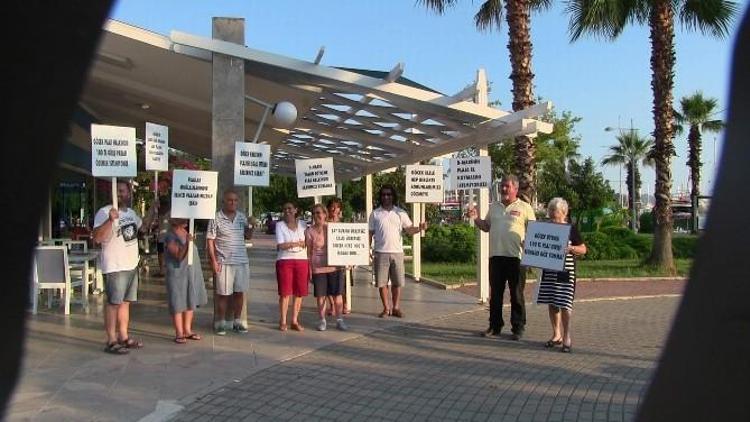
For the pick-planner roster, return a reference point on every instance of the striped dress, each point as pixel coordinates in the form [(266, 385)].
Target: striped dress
[(558, 288)]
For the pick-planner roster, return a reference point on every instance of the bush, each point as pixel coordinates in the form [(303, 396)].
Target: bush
[(600, 245), (684, 246), (450, 243), (646, 221)]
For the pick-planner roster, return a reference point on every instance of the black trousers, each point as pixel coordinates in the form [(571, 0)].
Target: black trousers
[(504, 270)]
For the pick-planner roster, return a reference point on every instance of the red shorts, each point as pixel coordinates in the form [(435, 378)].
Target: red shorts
[(291, 276)]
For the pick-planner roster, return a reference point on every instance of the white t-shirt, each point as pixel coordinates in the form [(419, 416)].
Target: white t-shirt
[(284, 235), (119, 252), (386, 226)]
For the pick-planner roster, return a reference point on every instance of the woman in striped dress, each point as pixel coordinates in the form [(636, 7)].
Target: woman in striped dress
[(557, 288)]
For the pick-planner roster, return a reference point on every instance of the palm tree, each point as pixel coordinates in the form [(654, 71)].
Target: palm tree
[(518, 19), (609, 19), (630, 149), (696, 111)]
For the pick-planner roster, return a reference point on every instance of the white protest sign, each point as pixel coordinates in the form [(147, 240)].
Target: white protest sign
[(157, 147), (424, 184), (251, 164), (113, 151), (348, 244), (545, 244), (194, 194), (315, 177), (471, 173)]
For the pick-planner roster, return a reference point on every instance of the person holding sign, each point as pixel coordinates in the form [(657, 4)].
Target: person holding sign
[(557, 288), (327, 281), (386, 224), (226, 237), (292, 268), (506, 222), (334, 206), (117, 231), (185, 288)]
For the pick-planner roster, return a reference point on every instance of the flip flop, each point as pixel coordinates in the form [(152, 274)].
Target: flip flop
[(180, 340), (552, 343), (193, 336)]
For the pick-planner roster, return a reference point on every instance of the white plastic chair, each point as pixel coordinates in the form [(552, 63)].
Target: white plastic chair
[(51, 271), (80, 270)]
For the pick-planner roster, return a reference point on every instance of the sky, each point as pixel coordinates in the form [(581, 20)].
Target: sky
[(607, 84)]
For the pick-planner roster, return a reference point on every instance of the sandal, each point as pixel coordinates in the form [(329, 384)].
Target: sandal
[(298, 327), (552, 343), (282, 327), (180, 340), (116, 349), (384, 314), (565, 348), (193, 336), (397, 313), (131, 343)]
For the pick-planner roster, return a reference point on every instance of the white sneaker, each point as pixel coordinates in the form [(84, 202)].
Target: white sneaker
[(341, 325), (322, 325)]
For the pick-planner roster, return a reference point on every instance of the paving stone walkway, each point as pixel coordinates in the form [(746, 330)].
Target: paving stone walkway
[(440, 369)]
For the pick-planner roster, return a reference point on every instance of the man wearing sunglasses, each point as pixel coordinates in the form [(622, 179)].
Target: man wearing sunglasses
[(386, 224)]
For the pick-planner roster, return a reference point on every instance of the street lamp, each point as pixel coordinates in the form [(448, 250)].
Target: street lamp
[(634, 219)]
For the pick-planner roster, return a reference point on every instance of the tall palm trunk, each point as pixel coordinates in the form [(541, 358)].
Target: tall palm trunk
[(694, 159), (633, 189), (661, 22), (519, 45)]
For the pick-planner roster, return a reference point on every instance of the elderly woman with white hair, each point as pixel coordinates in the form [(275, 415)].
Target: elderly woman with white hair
[(557, 288)]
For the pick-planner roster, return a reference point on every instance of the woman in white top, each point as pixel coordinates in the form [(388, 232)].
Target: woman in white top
[(291, 265)]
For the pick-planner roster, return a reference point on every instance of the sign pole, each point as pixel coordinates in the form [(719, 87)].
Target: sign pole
[(116, 223), (190, 244)]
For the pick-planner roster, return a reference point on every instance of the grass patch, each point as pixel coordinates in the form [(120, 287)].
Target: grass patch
[(458, 273)]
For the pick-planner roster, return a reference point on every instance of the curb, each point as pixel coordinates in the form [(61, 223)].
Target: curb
[(440, 285)]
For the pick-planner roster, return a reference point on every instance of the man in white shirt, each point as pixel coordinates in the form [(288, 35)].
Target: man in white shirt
[(117, 231), (386, 224), (226, 237)]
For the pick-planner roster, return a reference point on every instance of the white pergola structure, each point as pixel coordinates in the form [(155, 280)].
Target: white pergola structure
[(367, 121)]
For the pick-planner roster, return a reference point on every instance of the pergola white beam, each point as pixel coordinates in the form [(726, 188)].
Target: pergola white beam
[(354, 82)]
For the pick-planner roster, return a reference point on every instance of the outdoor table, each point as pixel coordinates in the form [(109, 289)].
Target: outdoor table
[(84, 258)]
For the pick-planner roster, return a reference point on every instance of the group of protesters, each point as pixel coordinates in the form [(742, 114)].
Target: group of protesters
[(302, 260)]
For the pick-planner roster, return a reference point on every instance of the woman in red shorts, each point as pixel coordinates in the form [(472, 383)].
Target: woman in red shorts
[(291, 264)]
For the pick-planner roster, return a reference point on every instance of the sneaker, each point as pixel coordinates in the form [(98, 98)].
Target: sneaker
[(518, 335), (322, 325), (239, 328), (219, 330), (341, 325)]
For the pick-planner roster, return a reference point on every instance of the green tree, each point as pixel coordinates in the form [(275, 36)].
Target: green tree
[(629, 151), (518, 20), (281, 189), (696, 112), (609, 19)]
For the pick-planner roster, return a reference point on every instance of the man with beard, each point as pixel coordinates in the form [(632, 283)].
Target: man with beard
[(117, 232)]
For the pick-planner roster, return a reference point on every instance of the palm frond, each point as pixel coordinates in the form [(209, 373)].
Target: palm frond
[(438, 6), (712, 17), (603, 18), (490, 15), (541, 5), (713, 125)]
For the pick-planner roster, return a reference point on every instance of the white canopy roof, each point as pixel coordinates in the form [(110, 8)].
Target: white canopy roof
[(366, 120)]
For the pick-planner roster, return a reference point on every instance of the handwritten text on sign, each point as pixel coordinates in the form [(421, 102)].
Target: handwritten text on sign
[(194, 194), (545, 245), (315, 177), (470, 173), (424, 184), (348, 244), (251, 164), (113, 151), (157, 147)]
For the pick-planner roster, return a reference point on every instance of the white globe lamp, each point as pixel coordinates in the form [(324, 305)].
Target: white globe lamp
[(284, 113)]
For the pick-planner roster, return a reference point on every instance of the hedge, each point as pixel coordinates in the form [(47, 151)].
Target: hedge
[(450, 243)]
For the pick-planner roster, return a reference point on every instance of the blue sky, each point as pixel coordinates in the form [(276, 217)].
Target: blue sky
[(602, 82)]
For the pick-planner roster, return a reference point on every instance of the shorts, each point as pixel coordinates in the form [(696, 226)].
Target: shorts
[(389, 265), (328, 284), (121, 286), (233, 278), (160, 247), (291, 277)]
